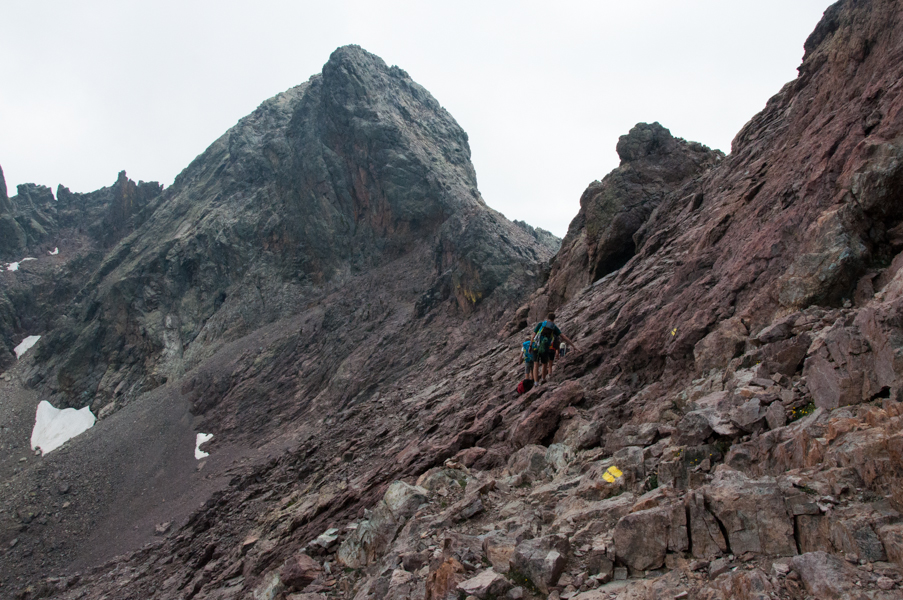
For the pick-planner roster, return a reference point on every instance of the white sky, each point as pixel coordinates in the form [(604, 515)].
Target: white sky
[(543, 89)]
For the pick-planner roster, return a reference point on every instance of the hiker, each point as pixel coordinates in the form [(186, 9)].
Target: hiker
[(544, 336), (528, 357)]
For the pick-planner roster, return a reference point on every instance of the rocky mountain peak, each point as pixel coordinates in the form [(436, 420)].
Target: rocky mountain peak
[(643, 140), (345, 175)]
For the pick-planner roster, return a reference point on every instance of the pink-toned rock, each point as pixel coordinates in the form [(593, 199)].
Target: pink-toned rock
[(827, 577), (642, 538), (488, 584), (498, 549), (444, 579), (541, 560), (892, 538), (776, 415), (543, 419), (469, 456), (708, 540), (753, 513), (784, 357), (718, 348), (299, 571), (742, 585)]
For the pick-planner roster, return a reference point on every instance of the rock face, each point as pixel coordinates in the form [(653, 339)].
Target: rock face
[(730, 429), (600, 239), (33, 224)]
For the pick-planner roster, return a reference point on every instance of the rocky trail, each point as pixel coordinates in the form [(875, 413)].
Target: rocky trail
[(731, 428)]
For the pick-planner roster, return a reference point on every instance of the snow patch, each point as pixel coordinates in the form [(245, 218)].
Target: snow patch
[(14, 266), (54, 427), (26, 345), (55, 252), (203, 438)]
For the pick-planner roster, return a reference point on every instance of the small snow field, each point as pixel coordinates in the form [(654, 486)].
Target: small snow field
[(14, 266), (25, 345), (202, 439), (55, 252), (54, 427)]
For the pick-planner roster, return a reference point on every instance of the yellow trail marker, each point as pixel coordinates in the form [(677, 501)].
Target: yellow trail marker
[(674, 331), (612, 474)]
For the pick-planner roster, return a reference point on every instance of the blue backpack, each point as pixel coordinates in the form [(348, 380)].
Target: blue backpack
[(528, 348)]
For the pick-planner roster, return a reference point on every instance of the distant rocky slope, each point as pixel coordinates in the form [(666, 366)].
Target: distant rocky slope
[(731, 429), (33, 224)]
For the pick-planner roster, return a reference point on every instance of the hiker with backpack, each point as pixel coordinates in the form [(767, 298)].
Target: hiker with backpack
[(544, 335), (528, 357)]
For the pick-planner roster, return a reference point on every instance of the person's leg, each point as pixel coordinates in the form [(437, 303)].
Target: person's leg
[(536, 371)]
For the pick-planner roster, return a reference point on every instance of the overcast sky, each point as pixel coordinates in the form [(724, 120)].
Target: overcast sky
[(543, 89)]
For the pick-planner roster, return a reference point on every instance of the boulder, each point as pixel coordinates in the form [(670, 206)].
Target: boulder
[(784, 356), (693, 429), (529, 462), (558, 457), (718, 348), (825, 576), (487, 585), (543, 420), (749, 416), (708, 541), (579, 433), (598, 516), (498, 549), (298, 571), (643, 538), (443, 579), (776, 332), (752, 512), (631, 435), (892, 538), (776, 415), (843, 369), (269, 588), (404, 585), (541, 561), (373, 536)]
